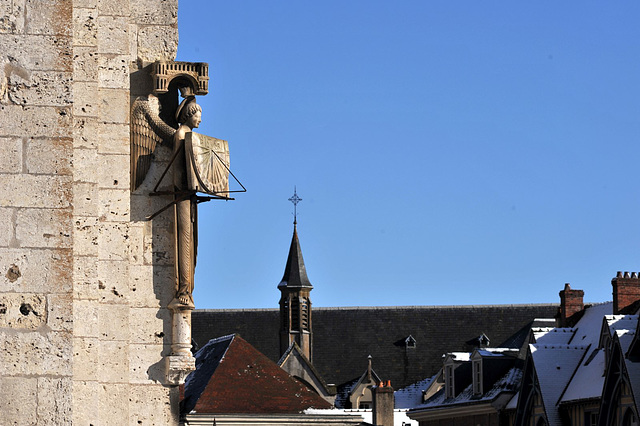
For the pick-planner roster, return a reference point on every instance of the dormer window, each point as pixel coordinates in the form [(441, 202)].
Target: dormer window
[(477, 377), (449, 385), (410, 342)]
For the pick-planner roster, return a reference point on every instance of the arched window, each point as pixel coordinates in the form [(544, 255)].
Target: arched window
[(629, 418)]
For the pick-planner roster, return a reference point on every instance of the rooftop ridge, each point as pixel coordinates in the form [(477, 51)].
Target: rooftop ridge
[(408, 307)]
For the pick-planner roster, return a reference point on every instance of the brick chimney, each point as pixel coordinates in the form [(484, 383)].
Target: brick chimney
[(571, 304), (383, 404), (626, 292)]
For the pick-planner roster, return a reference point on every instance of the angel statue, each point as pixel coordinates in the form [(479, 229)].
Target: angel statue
[(199, 164)]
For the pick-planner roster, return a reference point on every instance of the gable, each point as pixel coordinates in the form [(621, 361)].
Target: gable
[(246, 381)]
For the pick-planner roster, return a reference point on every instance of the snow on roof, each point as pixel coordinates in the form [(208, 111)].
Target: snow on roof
[(588, 379), (508, 383), (620, 323), (554, 365), (459, 356), (400, 417), (411, 396), (487, 352), (553, 335), (589, 326)]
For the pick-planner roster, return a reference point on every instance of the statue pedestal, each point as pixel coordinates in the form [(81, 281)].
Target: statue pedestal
[(180, 362)]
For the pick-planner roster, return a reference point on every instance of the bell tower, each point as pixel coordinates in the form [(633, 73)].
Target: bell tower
[(295, 301)]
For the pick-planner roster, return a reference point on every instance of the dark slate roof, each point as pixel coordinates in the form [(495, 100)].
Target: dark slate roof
[(233, 377), (343, 338), (295, 273)]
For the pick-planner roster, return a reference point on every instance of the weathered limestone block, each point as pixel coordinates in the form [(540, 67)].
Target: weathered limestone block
[(136, 241), (86, 311), (60, 312), (7, 233), (12, 17), (44, 191), (19, 399), (114, 105), (85, 236), (40, 88), (49, 17), (148, 286), (86, 358), (85, 27), (110, 396), (155, 12), (113, 286), (11, 153), (152, 405), (86, 285), (49, 156), (146, 363), (39, 228), (114, 139), (152, 326), (86, 395), (113, 322), (114, 7), (114, 362), (36, 121), (84, 199), (85, 63), (35, 270), (86, 133), (22, 310), (112, 244), (157, 43), (113, 71), (114, 205), (86, 162), (113, 35), (114, 171), (35, 353), (54, 401), (84, 99), (35, 53)]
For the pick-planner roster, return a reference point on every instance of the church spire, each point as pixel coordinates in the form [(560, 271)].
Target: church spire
[(295, 273), (295, 301)]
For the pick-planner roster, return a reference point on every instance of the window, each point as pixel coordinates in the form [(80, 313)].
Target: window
[(410, 342), (477, 377), (448, 381), (629, 418), (591, 418)]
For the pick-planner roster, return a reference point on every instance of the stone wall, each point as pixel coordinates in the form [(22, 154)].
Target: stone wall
[(84, 279)]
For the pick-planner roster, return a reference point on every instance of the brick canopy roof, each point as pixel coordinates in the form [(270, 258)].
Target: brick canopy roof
[(234, 377)]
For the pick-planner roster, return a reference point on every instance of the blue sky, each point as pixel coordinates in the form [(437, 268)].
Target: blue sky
[(446, 152)]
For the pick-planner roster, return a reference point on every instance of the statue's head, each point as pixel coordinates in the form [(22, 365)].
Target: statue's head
[(189, 113)]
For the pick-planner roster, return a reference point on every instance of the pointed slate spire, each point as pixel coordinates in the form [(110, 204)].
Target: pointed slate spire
[(295, 273)]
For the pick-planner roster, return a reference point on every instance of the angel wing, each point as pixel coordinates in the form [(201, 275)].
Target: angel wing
[(147, 130)]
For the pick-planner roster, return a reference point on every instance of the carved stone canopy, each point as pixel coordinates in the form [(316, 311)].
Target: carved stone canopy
[(196, 73)]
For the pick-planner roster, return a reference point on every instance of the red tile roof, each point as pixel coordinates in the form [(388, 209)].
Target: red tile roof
[(234, 377)]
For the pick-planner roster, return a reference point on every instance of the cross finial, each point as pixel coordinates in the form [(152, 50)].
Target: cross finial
[(295, 200)]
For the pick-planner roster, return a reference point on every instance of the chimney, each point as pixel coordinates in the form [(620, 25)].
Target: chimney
[(383, 404), (626, 292), (571, 303)]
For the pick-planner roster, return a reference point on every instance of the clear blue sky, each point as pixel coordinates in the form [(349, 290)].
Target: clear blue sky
[(446, 152)]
